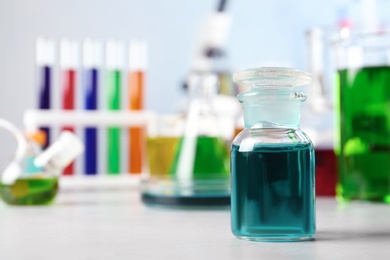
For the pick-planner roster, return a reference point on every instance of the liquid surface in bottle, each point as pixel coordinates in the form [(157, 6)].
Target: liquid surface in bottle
[(273, 194), (30, 191), (364, 134)]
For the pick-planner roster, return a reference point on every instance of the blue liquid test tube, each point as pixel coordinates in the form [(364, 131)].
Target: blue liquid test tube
[(91, 57)]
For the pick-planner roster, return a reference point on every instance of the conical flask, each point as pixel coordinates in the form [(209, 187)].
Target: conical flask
[(198, 171)]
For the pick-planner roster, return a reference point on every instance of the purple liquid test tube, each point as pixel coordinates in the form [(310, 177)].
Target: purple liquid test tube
[(45, 63)]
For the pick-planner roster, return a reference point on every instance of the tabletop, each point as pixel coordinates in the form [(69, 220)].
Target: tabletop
[(112, 223)]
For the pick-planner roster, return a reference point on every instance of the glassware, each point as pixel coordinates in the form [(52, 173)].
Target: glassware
[(272, 160), (189, 156), (363, 117), (318, 113), (33, 186), (31, 178)]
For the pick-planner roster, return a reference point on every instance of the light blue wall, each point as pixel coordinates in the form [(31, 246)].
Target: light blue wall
[(263, 33)]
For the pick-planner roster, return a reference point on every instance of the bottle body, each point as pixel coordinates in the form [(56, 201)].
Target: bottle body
[(273, 185)]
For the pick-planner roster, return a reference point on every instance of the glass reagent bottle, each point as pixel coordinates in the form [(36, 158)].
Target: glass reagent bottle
[(272, 160)]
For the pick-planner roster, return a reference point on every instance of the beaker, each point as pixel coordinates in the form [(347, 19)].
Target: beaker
[(272, 160), (363, 117), (188, 155)]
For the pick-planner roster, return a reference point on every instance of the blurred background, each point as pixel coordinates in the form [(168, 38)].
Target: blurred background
[(262, 33)]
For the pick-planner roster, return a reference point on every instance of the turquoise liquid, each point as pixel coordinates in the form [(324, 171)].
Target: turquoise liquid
[(273, 192)]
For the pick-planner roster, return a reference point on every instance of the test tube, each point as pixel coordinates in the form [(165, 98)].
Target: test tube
[(45, 51), (114, 66), (91, 62), (69, 62), (136, 85)]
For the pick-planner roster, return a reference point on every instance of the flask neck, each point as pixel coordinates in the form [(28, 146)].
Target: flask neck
[(202, 88), (202, 85)]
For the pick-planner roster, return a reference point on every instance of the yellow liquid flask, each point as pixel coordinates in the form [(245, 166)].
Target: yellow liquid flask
[(32, 176), (188, 156)]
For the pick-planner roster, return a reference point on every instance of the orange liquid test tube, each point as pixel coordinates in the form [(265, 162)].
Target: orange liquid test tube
[(136, 85)]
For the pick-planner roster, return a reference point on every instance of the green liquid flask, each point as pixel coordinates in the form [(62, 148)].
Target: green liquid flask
[(33, 186), (188, 156), (272, 160), (32, 177), (363, 144)]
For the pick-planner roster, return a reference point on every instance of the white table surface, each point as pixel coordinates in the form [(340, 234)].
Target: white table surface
[(112, 223)]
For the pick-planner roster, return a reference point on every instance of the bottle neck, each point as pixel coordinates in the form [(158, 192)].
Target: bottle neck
[(272, 115), (272, 108)]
